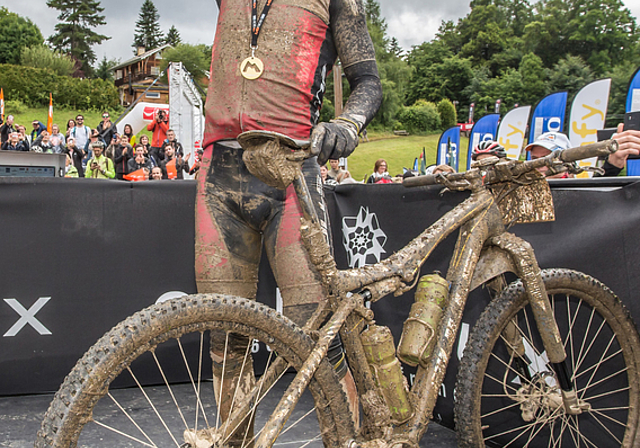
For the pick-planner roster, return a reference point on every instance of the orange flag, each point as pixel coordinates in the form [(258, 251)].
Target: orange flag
[(136, 175), (172, 172), (50, 119), (2, 104)]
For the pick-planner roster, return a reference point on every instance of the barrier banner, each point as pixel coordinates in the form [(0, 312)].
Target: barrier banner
[(548, 115), (485, 128), (588, 113), (80, 255), (449, 148), (633, 93), (512, 129)]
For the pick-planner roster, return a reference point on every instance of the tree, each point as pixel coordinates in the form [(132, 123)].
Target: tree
[(104, 68), (447, 113), (394, 71), (74, 32), (570, 74), (195, 58), (147, 33), (41, 56), (16, 32), (173, 37)]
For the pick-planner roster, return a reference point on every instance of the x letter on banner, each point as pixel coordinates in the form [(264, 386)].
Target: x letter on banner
[(27, 316)]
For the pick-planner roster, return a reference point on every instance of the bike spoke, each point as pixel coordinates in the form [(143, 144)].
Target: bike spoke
[(141, 442), (173, 397), (583, 391), (131, 419), (235, 393), (193, 384), (221, 387), (155, 410)]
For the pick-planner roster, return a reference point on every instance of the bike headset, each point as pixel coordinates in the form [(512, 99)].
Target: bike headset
[(488, 147)]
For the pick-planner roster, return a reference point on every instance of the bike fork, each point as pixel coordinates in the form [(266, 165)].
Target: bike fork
[(528, 270)]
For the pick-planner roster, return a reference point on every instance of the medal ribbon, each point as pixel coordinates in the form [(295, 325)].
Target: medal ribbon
[(256, 23)]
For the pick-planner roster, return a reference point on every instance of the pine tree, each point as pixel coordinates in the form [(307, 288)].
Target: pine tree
[(173, 37), (74, 32), (147, 34)]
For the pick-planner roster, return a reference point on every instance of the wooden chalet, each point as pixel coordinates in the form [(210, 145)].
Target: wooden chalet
[(134, 76)]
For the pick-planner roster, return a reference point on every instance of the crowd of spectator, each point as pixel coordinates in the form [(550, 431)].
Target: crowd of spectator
[(102, 152)]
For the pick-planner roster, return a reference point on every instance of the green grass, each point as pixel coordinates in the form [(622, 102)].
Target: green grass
[(399, 152)]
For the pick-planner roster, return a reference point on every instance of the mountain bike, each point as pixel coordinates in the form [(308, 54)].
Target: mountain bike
[(552, 361)]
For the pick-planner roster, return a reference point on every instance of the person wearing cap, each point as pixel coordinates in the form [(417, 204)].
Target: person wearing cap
[(544, 145), (628, 145), (107, 129), (99, 166), (38, 127)]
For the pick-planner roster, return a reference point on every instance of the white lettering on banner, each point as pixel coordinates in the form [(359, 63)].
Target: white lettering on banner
[(538, 127), (278, 301), (27, 316), (635, 100), (554, 124), (462, 340), (170, 295)]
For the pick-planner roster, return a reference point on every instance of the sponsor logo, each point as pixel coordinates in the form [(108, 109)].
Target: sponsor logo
[(27, 316), (363, 238)]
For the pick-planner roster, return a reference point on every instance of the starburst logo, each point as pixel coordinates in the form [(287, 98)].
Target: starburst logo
[(362, 237)]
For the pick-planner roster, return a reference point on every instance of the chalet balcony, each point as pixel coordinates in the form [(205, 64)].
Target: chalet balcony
[(139, 76)]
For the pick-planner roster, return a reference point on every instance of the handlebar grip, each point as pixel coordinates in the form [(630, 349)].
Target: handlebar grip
[(418, 181), (603, 148)]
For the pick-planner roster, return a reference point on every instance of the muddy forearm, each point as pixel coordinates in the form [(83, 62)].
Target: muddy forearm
[(366, 92)]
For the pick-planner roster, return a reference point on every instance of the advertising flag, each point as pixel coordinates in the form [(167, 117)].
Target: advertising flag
[(50, 118), (485, 128), (172, 172), (2, 104), (512, 129), (633, 94), (548, 115), (449, 148), (136, 176), (588, 112)]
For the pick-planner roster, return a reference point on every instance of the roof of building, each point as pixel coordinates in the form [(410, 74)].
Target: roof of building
[(141, 57)]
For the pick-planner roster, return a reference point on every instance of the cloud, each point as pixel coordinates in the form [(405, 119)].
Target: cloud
[(411, 22)]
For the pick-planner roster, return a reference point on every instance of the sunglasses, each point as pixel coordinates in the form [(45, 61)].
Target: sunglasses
[(105, 116)]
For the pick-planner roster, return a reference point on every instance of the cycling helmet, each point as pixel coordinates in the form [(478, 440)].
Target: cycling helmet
[(489, 147)]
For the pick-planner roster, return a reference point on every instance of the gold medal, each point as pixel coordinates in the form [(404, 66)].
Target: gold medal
[(251, 68)]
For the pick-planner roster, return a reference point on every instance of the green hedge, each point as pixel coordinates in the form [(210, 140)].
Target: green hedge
[(32, 86), (421, 117)]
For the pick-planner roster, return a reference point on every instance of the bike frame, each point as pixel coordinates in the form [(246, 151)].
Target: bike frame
[(484, 250)]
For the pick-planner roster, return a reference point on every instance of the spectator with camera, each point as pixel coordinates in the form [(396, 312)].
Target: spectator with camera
[(14, 143), (99, 166), (6, 129), (38, 127), (107, 129), (159, 127), (76, 155), (57, 139), (122, 154), (43, 143)]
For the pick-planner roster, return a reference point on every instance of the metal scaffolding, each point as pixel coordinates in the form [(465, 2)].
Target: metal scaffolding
[(186, 115)]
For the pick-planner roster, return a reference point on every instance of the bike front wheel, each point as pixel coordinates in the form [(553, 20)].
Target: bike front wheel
[(126, 390), (507, 393)]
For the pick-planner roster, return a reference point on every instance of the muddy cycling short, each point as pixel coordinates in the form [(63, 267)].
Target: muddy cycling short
[(237, 215)]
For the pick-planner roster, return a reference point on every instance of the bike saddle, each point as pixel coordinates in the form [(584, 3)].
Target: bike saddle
[(251, 139)]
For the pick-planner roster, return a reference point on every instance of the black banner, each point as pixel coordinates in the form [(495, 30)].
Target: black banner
[(80, 255)]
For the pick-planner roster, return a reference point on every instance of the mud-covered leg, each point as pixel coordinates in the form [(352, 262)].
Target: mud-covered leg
[(233, 379)]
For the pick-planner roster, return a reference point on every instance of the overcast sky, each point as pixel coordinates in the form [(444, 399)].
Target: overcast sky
[(410, 21)]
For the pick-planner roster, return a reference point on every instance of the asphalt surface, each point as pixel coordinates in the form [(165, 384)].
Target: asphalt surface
[(20, 418)]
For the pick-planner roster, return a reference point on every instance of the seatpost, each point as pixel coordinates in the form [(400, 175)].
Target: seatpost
[(302, 191)]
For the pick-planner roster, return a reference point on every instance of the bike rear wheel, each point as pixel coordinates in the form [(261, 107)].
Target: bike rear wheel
[(106, 399), (504, 398)]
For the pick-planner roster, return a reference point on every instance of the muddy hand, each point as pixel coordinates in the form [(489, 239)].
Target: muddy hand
[(333, 140)]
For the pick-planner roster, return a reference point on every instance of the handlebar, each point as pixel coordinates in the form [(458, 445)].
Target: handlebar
[(516, 168)]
